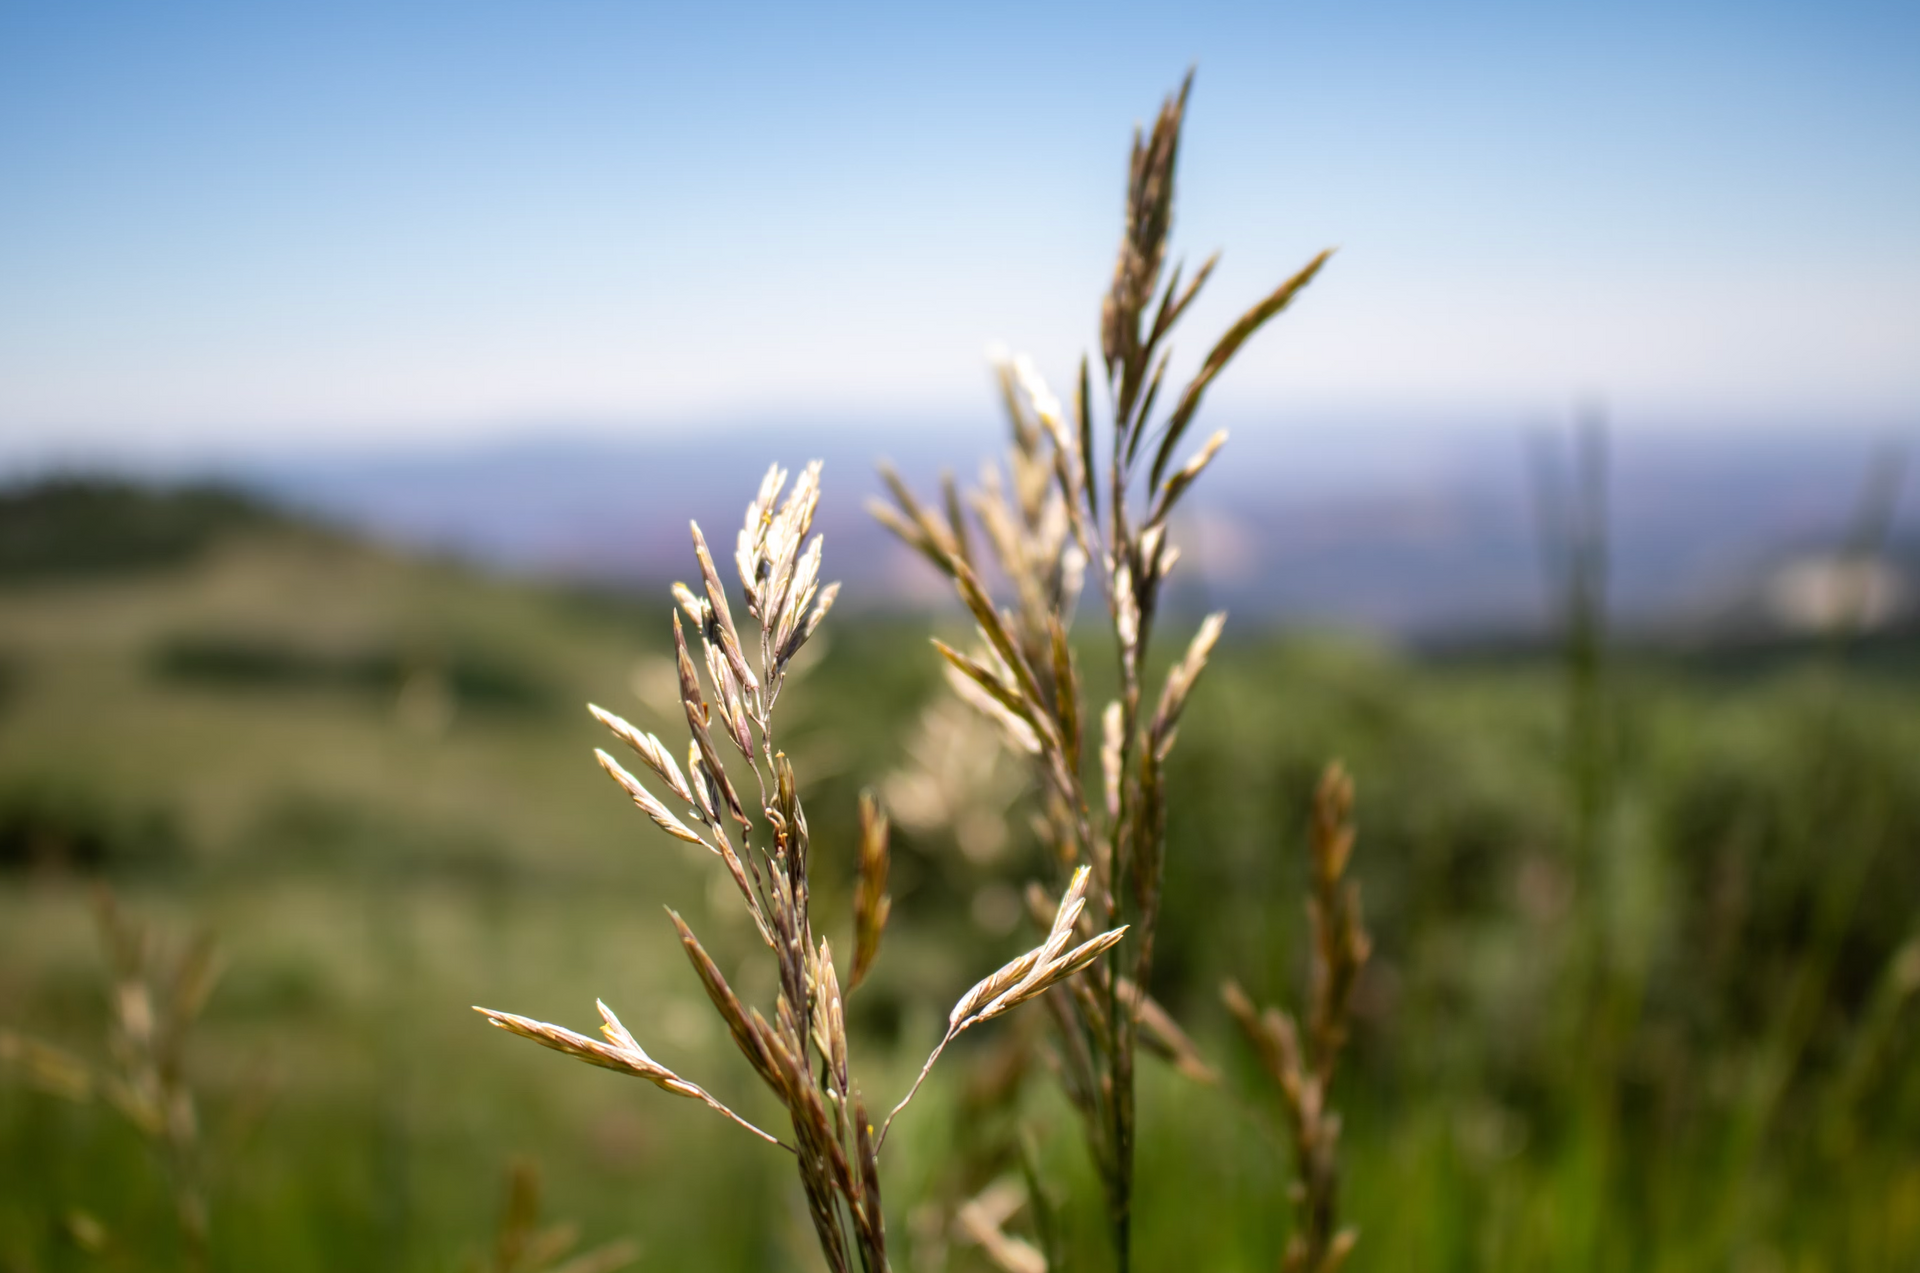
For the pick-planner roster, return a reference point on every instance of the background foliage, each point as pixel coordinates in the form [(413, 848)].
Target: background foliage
[(1677, 1034)]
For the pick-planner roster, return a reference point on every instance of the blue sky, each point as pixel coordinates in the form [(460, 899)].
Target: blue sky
[(265, 225)]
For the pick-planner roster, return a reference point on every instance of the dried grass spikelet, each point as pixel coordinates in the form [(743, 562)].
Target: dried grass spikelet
[(620, 1053), (1159, 1032), (981, 1220), (871, 903), (1040, 968), (698, 715), (1023, 979), (650, 750), (652, 807), (1303, 1070), (722, 631), (1180, 682)]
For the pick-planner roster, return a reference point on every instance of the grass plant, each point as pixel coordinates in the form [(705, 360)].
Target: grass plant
[(801, 1054), (521, 1244), (1303, 1068), (157, 993), (1056, 514)]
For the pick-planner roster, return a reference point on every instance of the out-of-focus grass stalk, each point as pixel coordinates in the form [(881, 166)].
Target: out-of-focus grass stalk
[(157, 994), (1798, 1018), (1303, 1068), (1608, 981)]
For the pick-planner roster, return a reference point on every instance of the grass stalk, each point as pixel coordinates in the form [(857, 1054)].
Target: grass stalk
[(1056, 514), (1302, 1064)]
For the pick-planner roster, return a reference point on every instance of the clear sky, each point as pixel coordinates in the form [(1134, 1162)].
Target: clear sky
[(266, 224)]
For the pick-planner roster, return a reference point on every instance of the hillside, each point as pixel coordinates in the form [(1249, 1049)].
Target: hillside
[(368, 774)]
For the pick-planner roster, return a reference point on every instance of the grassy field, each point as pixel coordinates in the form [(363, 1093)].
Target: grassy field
[(1670, 1029)]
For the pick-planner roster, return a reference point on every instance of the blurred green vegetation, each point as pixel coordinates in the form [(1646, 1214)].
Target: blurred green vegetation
[(83, 525), (1691, 1047)]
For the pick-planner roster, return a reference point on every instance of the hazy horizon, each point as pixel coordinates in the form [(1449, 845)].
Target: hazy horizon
[(1422, 534)]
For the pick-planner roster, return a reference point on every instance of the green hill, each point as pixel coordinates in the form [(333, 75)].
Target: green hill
[(369, 775)]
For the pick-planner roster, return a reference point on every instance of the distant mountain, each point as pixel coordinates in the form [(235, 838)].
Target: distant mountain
[(1415, 531)]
